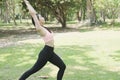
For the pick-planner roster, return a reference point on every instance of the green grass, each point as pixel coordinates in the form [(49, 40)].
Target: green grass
[(92, 55), (24, 24), (115, 25)]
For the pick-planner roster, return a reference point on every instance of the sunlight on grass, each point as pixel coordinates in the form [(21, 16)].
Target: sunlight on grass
[(80, 68), (27, 62), (31, 41), (4, 56), (54, 70), (92, 55), (66, 39), (78, 59)]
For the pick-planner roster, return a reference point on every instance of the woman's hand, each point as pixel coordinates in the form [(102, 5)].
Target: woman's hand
[(26, 2), (30, 8)]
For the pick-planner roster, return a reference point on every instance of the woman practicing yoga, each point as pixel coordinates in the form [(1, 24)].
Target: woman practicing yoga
[(47, 53)]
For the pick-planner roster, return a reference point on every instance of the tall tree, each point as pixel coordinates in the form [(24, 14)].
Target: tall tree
[(107, 8), (8, 8), (13, 11), (1, 10), (91, 12), (83, 9), (6, 11), (59, 8)]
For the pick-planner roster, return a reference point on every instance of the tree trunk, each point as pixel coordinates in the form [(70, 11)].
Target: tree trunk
[(83, 10), (64, 23), (91, 12), (13, 10), (61, 17), (6, 13), (79, 15), (103, 15), (62, 20), (0, 10)]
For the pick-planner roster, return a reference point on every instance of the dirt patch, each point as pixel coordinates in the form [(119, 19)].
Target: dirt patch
[(12, 36), (32, 30)]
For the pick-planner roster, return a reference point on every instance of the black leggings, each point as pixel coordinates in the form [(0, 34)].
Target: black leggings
[(47, 54)]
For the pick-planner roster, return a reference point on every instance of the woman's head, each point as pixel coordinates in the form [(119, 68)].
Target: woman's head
[(40, 18)]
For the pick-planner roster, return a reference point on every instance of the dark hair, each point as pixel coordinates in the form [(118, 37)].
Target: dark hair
[(38, 19), (33, 19)]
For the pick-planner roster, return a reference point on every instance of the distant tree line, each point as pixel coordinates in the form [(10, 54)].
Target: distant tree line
[(95, 11)]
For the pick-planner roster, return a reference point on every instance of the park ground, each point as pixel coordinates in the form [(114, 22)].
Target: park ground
[(89, 53)]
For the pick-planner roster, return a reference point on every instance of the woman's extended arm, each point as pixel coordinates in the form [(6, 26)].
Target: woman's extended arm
[(30, 8), (33, 14)]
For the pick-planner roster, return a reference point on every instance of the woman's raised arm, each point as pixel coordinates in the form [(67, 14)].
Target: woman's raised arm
[(30, 8), (33, 14)]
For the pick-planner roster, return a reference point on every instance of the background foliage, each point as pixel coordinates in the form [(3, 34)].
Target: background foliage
[(95, 11)]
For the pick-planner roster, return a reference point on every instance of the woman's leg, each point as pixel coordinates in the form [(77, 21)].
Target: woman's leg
[(42, 60), (56, 60)]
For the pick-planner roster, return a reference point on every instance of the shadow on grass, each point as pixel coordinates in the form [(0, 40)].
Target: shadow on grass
[(30, 31), (20, 31), (15, 59), (80, 66), (116, 56)]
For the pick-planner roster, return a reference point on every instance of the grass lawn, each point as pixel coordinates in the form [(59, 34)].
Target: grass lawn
[(92, 55)]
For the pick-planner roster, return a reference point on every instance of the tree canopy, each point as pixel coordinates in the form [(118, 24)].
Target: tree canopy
[(59, 8), (63, 10)]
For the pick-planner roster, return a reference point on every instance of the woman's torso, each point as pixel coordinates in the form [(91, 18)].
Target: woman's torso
[(48, 38)]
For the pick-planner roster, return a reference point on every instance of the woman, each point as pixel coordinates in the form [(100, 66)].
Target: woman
[(47, 53)]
